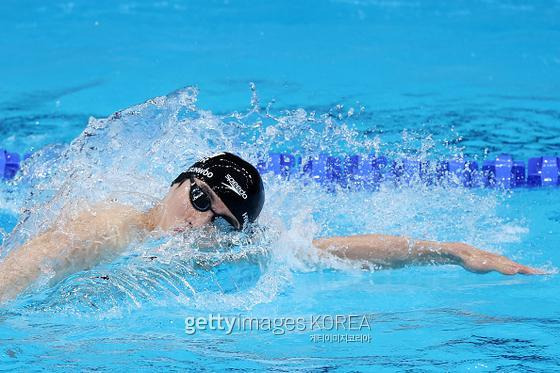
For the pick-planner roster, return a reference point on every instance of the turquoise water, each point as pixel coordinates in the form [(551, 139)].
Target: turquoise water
[(430, 79)]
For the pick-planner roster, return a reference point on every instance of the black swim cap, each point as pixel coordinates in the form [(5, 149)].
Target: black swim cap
[(234, 180)]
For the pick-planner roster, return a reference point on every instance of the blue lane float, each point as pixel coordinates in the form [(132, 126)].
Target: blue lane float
[(370, 170), (543, 171), (504, 171), (9, 164), (459, 171)]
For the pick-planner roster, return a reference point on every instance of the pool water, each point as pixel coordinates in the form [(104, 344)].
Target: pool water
[(404, 78)]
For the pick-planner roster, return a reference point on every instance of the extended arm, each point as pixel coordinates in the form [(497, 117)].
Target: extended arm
[(69, 247), (395, 251), (23, 265)]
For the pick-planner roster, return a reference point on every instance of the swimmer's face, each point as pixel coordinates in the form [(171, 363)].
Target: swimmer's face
[(179, 213)]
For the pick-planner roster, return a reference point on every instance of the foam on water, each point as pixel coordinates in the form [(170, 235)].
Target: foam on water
[(133, 155)]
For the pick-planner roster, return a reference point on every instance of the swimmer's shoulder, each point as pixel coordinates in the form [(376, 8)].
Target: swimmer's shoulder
[(107, 214)]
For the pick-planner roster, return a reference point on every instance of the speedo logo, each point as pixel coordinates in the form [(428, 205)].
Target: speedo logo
[(202, 171), (233, 185)]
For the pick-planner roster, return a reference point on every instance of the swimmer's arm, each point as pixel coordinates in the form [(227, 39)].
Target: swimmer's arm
[(396, 251), (23, 265), (82, 243)]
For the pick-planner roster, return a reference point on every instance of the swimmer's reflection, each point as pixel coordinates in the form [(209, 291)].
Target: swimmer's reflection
[(226, 186)]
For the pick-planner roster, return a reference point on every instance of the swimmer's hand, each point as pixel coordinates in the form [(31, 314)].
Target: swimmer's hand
[(479, 261), (386, 251)]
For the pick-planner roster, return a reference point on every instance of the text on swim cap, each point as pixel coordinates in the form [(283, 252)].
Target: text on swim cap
[(233, 185), (201, 171)]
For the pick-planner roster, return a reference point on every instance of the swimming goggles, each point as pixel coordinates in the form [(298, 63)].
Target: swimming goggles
[(201, 201)]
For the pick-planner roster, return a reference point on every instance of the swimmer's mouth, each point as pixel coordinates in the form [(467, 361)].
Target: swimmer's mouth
[(179, 229)]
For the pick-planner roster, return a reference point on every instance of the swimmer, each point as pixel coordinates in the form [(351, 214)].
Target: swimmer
[(226, 186)]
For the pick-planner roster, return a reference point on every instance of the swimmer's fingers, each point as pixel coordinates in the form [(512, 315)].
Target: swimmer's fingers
[(509, 267), (525, 270), (516, 268), (480, 261)]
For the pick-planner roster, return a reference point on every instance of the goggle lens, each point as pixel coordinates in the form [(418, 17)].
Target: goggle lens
[(199, 199)]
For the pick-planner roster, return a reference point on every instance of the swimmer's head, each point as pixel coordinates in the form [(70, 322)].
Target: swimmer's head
[(227, 185)]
